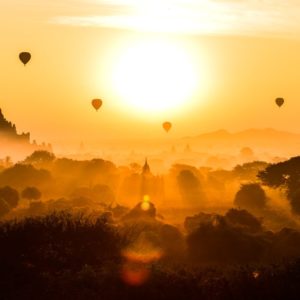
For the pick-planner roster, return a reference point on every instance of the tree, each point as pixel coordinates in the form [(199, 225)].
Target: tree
[(4, 207), (100, 193), (21, 176), (40, 158), (247, 154), (242, 219), (251, 196), (285, 175), (294, 197), (31, 193), (189, 186), (220, 242), (10, 196), (249, 171), (103, 194)]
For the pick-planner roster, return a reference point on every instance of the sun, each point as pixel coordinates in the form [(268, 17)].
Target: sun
[(154, 76)]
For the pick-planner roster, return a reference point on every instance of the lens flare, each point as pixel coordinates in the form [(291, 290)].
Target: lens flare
[(145, 205), (134, 274), (146, 198), (145, 256), (138, 257)]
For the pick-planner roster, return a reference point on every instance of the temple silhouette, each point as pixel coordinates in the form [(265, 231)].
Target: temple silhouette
[(17, 145), (150, 185)]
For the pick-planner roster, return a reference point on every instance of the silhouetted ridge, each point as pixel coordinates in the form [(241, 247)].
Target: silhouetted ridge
[(265, 139), (10, 138), (6, 126)]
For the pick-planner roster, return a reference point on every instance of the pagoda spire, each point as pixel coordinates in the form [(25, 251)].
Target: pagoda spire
[(146, 168)]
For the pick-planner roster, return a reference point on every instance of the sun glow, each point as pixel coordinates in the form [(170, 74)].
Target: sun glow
[(154, 77)]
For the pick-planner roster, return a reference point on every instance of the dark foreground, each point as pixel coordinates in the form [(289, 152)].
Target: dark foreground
[(60, 256)]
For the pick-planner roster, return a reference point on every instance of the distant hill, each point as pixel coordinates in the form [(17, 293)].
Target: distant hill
[(261, 139)]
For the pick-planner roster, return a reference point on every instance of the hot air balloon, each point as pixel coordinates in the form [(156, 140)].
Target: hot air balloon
[(24, 57), (279, 101), (97, 103), (167, 126)]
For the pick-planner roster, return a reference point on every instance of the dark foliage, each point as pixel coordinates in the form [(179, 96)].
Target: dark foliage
[(294, 198), (189, 187), (40, 158), (249, 171), (61, 256), (285, 175), (57, 241), (31, 193), (10, 196), (4, 208), (101, 193), (286, 244), (193, 223), (219, 242), (251, 196), (241, 218), (21, 175)]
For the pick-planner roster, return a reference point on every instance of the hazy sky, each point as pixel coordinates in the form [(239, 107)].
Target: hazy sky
[(206, 64)]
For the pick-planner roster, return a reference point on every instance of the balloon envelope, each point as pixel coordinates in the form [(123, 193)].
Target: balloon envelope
[(24, 57), (167, 126), (279, 101), (97, 103)]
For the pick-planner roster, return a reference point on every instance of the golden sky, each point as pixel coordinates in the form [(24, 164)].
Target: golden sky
[(203, 65)]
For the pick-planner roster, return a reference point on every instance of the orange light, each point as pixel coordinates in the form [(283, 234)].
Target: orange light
[(145, 206), (146, 198), (134, 274), (145, 256)]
